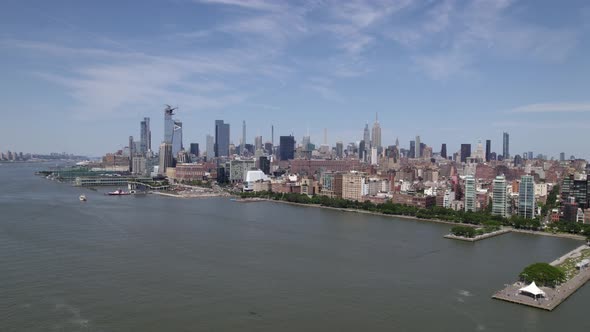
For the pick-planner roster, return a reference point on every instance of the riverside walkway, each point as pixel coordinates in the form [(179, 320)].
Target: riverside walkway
[(554, 296)]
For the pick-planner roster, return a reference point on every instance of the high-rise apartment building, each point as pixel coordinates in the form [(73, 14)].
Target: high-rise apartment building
[(139, 165), (562, 156), (499, 200), (526, 197), (470, 194), (506, 145), (286, 147), (221, 139), (418, 148), (145, 139)]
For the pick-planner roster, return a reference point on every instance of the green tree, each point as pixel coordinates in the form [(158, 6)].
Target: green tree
[(464, 231), (542, 274)]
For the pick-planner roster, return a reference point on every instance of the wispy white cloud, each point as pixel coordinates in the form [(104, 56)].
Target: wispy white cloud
[(542, 125), (324, 87), (248, 4), (552, 108), (135, 80), (452, 38)]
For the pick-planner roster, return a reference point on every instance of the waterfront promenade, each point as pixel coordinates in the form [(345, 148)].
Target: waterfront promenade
[(554, 296), (438, 221)]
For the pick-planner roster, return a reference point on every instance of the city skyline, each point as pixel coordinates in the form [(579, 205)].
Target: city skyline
[(512, 70)]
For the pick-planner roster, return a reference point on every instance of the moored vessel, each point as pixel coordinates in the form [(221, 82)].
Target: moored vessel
[(118, 192)]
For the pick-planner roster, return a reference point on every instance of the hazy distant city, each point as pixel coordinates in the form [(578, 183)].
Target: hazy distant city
[(281, 165)]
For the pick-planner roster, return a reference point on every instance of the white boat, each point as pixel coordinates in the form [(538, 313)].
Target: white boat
[(83, 198), (118, 192)]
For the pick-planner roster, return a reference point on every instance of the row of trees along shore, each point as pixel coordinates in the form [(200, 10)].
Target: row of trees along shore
[(435, 212)]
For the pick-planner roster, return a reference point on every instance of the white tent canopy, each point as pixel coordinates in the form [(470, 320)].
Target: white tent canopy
[(532, 289)]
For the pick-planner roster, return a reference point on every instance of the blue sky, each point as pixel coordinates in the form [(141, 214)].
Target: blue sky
[(78, 76)]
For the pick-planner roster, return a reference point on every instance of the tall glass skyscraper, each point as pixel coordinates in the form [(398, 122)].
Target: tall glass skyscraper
[(506, 145), (221, 139), (145, 139), (526, 197), (210, 147), (465, 152), (172, 131), (376, 134), (177, 145), (168, 125), (367, 138), (286, 147)]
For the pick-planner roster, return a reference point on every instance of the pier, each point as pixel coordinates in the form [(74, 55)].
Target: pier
[(554, 296), (113, 181), (477, 238)]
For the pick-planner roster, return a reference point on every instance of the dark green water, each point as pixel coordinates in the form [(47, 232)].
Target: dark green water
[(163, 264)]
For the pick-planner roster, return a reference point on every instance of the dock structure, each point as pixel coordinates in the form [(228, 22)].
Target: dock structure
[(114, 181), (553, 296), (142, 186)]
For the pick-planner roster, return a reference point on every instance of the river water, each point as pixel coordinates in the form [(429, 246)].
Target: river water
[(165, 264)]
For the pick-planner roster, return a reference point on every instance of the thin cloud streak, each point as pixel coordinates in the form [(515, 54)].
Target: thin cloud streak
[(552, 108)]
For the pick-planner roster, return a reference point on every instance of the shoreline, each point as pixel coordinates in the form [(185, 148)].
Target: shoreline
[(205, 195), (561, 235), (438, 221)]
